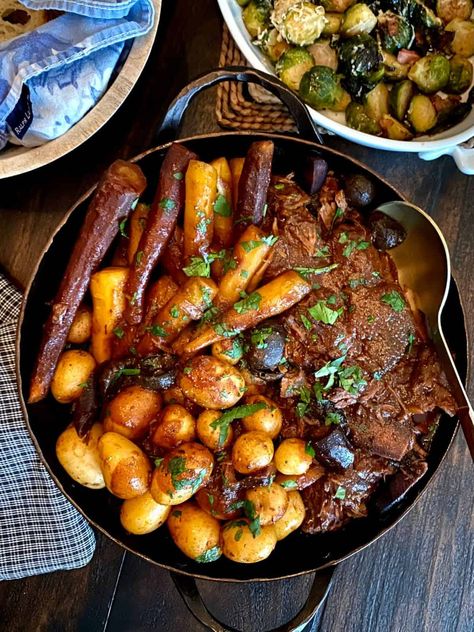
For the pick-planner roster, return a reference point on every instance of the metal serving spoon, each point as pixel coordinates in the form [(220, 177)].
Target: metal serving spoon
[(424, 267)]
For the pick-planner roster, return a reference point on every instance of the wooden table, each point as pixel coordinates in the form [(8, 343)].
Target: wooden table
[(421, 575)]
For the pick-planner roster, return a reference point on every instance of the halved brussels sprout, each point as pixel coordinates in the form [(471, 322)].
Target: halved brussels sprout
[(394, 70), (333, 23), (393, 129), (323, 54), (301, 24), (292, 65), (360, 60), (256, 16), (357, 118), (400, 97), (460, 75), (358, 19), (396, 32), (273, 45), (430, 73), (447, 10), (376, 102), (463, 42), (320, 88), (422, 113)]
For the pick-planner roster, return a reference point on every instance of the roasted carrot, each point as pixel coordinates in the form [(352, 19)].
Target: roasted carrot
[(269, 300), (253, 184), (137, 225), (118, 190), (236, 165), (201, 192), (164, 211), (223, 220)]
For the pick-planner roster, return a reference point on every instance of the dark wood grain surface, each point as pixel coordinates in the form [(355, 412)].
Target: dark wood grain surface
[(420, 577)]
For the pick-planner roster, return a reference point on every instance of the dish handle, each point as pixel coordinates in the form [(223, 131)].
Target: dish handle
[(189, 592), (169, 128), (462, 156)]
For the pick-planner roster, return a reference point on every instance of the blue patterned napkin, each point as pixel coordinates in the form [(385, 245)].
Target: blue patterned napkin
[(40, 531), (51, 77)]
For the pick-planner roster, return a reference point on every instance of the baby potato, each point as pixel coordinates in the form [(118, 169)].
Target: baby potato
[(270, 502), (228, 350), (211, 383), (81, 327), (240, 545), (125, 467), (142, 515), (211, 437), (291, 457), (74, 369), (131, 411), (175, 425), (195, 532), (293, 516), (182, 472), (80, 457), (252, 451), (267, 420)]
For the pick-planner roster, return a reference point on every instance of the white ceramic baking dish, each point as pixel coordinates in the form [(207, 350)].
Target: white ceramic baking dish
[(427, 147)]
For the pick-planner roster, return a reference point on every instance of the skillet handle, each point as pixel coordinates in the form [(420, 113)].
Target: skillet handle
[(189, 592), (171, 123)]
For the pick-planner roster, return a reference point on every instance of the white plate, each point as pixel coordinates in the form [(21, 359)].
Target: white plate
[(428, 147), (16, 160)]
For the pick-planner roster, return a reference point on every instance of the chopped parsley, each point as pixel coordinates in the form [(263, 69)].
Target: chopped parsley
[(351, 380), (236, 351), (159, 461), (351, 244), (122, 225), (248, 246), (411, 340), (279, 187), (126, 371), (394, 299), (322, 252), (156, 330), (84, 384), (332, 418), (178, 175), (289, 484), (305, 272), (340, 493), (259, 337), (201, 266), (238, 412), (310, 450), (174, 311), (306, 322), (305, 400), (119, 332), (211, 555), (250, 513), (139, 257), (222, 207), (167, 204), (370, 319), (270, 240), (330, 370), (222, 329), (250, 302), (176, 467), (321, 312)]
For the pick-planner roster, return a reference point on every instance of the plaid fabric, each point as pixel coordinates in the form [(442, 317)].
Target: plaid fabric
[(40, 531)]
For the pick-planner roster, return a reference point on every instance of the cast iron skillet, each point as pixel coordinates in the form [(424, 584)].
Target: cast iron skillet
[(299, 553)]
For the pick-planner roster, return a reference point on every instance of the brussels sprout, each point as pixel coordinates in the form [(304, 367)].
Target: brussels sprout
[(301, 24), (357, 118), (424, 16), (273, 45), (396, 32), (460, 75), (376, 102), (256, 16), (421, 113), (430, 73), (333, 23), (323, 54), (292, 65), (243, 3), (400, 97), (357, 20), (394, 70), (338, 6), (321, 89), (360, 60), (463, 42), (447, 10), (394, 129)]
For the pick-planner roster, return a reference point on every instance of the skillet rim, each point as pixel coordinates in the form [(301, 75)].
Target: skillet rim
[(203, 137)]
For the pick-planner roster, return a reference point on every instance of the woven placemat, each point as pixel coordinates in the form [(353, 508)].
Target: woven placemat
[(242, 108)]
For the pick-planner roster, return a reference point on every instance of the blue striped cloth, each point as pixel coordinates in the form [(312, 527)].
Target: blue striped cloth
[(40, 531), (50, 77)]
